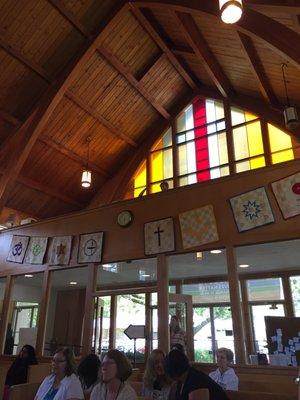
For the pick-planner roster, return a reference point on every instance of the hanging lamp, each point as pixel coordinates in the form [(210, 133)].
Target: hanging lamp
[(290, 113), (86, 177), (231, 10)]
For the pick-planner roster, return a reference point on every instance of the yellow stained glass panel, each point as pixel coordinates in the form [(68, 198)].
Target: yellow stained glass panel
[(257, 162), (157, 166), (240, 143), (140, 178), (137, 191), (255, 141), (282, 156), (222, 146), (279, 140)]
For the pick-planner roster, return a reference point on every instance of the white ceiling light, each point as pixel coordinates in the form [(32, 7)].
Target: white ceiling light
[(199, 255), (244, 265), (216, 251), (290, 113), (28, 276), (231, 10), (86, 177), (73, 283)]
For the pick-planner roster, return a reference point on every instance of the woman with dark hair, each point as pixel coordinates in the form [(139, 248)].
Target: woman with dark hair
[(88, 372), (190, 381), (18, 371), (157, 384), (116, 369), (62, 384)]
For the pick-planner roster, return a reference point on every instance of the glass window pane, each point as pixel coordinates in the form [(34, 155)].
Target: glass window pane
[(255, 141), (161, 165), (164, 141), (156, 187), (240, 141), (242, 166), (210, 292), (187, 158), (259, 313), (188, 180), (265, 289), (223, 327), (140, 176), (257, 162), (140, 191), (202, 335), (279, 140), (23, 312), (295, 287), (129, 305), (282, 156), (66, 309)]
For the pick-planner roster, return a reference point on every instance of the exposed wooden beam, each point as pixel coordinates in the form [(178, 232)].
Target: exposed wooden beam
[(48, 191), (281, 39), (69, 16), (27, 134), (198, 43), (149, 65), (148, 23), (139, 86), (103, 121), (290, 7), (258, 69), (183, 50), (5, 116), (71, 155), (32, 65)]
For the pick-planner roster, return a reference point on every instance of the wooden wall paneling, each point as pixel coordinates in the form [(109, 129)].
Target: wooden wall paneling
[(89, 309), (249, 339), (113, 321), (5, 311), (236, 311), (28, 133), (163, 303), (288, 298), (43, 309)]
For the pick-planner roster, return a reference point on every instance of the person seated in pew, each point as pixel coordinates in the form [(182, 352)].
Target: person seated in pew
[(18, 371), (190, 381), (89, 372), (115, 370), (62, 384), (224, 375), (156, 383)]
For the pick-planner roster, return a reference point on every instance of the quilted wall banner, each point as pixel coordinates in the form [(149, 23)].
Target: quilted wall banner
[(159, 236), (198, 227), (252, 209), (61, 250), (17, 249), (287, 193), (36, 250), (90, 248)]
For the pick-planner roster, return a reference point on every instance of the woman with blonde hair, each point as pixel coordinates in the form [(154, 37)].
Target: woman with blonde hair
[(156, 383), (115, 369), (62, 384), (225, 375)]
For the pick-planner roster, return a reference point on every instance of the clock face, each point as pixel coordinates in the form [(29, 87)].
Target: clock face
[(125, 218)]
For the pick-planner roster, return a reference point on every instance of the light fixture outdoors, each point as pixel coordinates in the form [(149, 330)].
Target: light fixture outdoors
[(231, 10), (28, 276), (244, 265), (199, 255), (216, 251), (86, 177), (290, 113), (73, 283)]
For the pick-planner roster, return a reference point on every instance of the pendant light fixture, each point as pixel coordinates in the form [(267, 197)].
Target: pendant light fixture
[(231, 10), (86, 177), (290, 113)]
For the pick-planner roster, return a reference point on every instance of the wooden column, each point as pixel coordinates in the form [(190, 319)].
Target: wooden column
[(236, 310), (175, 155), (163, 303), (229, 137), (42, 320), (248, 331), (148, 324), (266, 142), (5, 308), (89, 309), (288, 298), (113, 319)]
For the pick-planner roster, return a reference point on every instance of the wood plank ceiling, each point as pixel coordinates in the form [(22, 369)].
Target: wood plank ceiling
[(118, 72)]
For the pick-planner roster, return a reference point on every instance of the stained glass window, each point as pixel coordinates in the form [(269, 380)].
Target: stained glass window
[(280, 144)]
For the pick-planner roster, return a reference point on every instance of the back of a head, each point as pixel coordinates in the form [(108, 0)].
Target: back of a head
[(176, 363), (88, 369), (31, 358)]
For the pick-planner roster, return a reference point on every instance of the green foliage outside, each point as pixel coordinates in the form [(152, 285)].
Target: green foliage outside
[(203, 356)]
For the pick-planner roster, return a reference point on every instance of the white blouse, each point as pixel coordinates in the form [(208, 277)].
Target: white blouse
[(126, 392), (69, 388)]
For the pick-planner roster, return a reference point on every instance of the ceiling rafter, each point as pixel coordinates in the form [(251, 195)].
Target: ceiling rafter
[(148, 23), (69, 16), (5, 116), (283, 40), (32, 65), (103, 121), (198, 43), (291, 7), (58, 147), (27, 134), (258, 69), (139, 86), (182, 50), (151, 64)]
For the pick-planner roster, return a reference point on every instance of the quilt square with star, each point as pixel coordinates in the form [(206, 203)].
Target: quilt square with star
[(252, 209), (198, 227)]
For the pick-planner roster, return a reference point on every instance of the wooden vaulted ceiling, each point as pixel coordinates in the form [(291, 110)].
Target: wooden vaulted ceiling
[(118, 72)]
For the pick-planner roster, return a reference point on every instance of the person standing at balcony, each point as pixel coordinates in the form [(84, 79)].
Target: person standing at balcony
[(177, 334), (224, 375)]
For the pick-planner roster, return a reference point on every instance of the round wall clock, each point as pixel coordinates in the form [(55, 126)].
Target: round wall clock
[(125, 218)]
